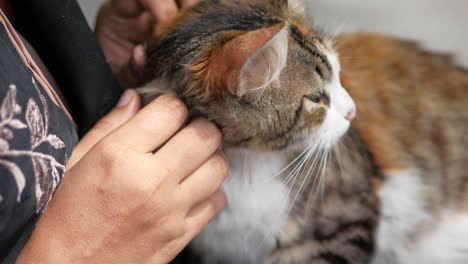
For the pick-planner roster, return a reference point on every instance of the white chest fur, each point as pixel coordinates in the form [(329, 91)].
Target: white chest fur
[(247, 228)]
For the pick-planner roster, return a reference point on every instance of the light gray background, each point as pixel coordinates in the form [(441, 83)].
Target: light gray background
[(439, 24)]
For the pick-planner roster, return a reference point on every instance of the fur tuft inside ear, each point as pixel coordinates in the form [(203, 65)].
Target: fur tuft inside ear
[(265, 66), (297, 6), (279, 4), (240, 62)]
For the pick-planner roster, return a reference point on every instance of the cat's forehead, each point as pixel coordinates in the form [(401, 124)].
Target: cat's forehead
[(316, 36)]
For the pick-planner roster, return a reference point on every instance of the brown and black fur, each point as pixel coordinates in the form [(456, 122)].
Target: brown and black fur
[(333, 226), (412, 112), (182, 47), (335, 222)]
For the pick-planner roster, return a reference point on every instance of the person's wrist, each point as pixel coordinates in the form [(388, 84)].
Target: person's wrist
[(45, 247)]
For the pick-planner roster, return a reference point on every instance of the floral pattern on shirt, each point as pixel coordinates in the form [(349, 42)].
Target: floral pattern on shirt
[(47, 170)]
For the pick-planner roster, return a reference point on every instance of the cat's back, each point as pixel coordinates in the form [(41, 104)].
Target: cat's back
[(413, 118), (412, 109)]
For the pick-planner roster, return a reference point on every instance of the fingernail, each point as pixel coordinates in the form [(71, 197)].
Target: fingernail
[(139, 55), (126, 98)]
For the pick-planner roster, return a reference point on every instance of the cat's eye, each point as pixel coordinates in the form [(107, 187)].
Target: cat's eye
[(313, 98), (321, 97)]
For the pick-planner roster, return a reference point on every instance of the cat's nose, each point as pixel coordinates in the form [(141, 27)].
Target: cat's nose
[(351, 115)]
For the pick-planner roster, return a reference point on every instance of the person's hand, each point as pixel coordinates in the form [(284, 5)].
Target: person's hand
[(123, 25), (121, 203)]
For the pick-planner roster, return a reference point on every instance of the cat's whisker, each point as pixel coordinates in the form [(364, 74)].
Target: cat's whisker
[(310, 150), (361, 59), (316, 170), (317, 156), (338, 30), (309, 153), (311, 170), (295, 170), (320, 177), (293, 174), (322, 182), (296, 173), (337, 152), (344, 148), (290, 164), (324, 152)]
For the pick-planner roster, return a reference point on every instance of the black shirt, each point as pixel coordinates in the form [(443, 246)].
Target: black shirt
[(36, 135)]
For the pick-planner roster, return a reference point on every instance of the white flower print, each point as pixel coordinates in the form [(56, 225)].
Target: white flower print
[(48, 171)]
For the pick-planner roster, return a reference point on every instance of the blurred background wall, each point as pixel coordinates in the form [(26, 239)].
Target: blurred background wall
[(439, 24)]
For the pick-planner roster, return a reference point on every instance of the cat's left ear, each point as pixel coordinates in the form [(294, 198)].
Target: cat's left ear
[(242, 62), (279, 4)]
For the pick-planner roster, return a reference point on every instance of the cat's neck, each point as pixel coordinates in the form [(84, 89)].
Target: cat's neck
[(260, 198), (254, 166), (256, 210)]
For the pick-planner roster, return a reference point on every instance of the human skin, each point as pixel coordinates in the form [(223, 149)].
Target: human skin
[(121, 203), (123, 25)]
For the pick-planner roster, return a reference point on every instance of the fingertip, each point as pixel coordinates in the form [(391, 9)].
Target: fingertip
[(139, 58), (217, 203), (172, 104), (161, 10), (135, 105), (207, 210), (125, 99), (188, 3), (222, 200), (130, 100)]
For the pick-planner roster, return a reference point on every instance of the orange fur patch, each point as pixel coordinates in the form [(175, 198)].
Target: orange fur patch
[(218, 70), (402, 92)]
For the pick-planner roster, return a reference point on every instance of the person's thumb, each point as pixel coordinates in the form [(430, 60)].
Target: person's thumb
[(126, 108)]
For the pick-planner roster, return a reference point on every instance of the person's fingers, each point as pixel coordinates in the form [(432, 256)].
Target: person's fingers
[(126, 108), (183, 4), (161, 10), (206, 180), (189, 149), (203, 213), (131, 74), (126, 8), (152, 126), (197, 219)]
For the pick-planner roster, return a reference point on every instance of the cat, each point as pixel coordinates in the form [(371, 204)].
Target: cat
[(312, 178)]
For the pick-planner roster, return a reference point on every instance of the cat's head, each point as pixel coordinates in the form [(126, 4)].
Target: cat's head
[(255, 68)]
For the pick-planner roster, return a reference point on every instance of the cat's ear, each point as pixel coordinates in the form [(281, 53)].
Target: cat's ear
[(296, 6), (279, 4), (243, 62)]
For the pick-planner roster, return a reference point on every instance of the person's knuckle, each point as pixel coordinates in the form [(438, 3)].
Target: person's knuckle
[(215, 205), (220, 165), (173, 227), (104, 124), (219, 202), (207, 131), (188, 3), (170, 250), (117, 166), (173, 105), (181, 229), (108, 156), (134, 189)]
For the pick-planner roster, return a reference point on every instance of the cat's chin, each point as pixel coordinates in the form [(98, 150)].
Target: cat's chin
[(333, 128)]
